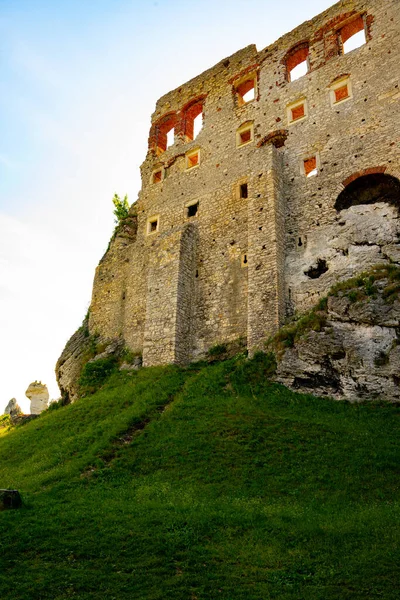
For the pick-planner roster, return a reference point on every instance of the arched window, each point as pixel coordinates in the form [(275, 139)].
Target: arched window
[(297, 61), (352, 35)]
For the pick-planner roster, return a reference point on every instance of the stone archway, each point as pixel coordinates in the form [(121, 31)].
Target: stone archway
[(369, 189)]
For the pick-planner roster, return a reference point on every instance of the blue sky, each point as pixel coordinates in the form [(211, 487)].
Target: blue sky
[(79, 81)]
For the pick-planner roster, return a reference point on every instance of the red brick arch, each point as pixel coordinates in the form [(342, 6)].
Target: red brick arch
[(357, 174)]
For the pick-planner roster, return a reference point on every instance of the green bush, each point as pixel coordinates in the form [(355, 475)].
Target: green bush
[(95, 374)]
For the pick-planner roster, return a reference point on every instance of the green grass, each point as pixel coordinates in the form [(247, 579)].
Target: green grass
[(202, 483)]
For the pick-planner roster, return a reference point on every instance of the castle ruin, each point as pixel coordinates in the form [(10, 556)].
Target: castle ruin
[(291, 184)]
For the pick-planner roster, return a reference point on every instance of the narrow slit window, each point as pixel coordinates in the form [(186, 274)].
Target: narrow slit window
[(310, 167), (197, 125), (353, 35), (192, 209), (243, 191), (244, 260), (170, 137)]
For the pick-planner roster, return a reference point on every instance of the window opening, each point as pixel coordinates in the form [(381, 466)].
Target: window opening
[(191, 211), (297, 111), (170, 137), (341, 90), (244, 260), (310, 166), (244, 135), (157, 176), (297, 62), (246, 91), (243, 190), (152, 225), (165, 133), (193, 159), (341, 93), (193, 120), (353, 35)]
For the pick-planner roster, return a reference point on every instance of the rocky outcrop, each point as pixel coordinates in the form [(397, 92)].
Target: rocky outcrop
[(38, 394), (82, 348), (350, 348), (70, 364), (13, 409)]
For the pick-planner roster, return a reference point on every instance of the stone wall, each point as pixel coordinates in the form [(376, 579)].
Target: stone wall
[(242, 263)]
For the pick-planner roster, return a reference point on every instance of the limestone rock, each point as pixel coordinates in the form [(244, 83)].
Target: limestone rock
[(12, 409), (356, 355), (39, 396), (134, 366), (76, 354)]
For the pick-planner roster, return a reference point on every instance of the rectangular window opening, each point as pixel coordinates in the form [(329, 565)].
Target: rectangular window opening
[(197, 125), (170, 137), (243, 190), (245, 136), (246, 91), (157, 176), (192, 160), (310, 167), (298, 112), (191, 211), (341, 93), (152, 225)]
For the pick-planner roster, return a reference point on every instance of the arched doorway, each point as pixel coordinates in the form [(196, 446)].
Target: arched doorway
[(369, 189)]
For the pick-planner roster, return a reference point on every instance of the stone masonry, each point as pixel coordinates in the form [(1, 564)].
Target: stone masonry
[(289, 186)]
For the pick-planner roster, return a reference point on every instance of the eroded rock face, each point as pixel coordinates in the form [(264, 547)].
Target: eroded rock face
[(360, 237), (13, 409), (78, 351), (38, 394), (70, 363), (356, 355)]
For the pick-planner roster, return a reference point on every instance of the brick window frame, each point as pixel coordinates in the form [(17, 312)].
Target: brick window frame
[(188, 115), (192, 159), (295, 56), (158, 141), (309, 164), (340, 90), (347, 31), (297, 111), (153, 224), (245, 134), (243, 86)]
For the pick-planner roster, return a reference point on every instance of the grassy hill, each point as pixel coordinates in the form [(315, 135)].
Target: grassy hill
[(202, 483)]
